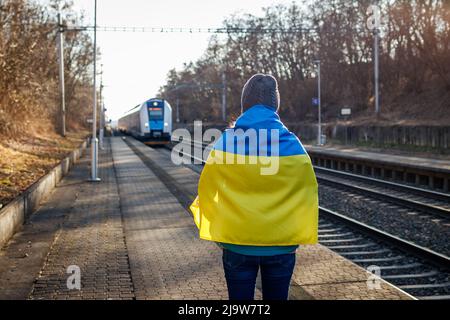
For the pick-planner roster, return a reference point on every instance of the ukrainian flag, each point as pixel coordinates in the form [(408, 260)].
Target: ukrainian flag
[(258, 186)]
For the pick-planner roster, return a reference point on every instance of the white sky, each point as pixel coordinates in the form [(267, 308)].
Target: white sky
[(135, 65)]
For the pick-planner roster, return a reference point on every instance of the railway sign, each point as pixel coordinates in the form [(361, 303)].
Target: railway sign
[(346, 111), (315, 101)]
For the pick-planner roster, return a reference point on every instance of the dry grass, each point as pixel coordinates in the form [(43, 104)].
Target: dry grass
[(25, 160)]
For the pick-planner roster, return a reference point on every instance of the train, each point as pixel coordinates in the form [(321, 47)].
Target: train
[(149, 122)]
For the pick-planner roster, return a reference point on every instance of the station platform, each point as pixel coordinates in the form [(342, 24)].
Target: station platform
[(417, 162), (131, 237), (420, 171)]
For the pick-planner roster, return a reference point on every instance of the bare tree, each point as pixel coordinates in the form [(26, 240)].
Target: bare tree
[(414, 55), (29, 69)]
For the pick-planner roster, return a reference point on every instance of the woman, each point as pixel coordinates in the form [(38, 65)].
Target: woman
[(257, 196)]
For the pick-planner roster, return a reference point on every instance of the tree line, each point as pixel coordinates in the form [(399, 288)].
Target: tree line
[(414, 60), (29, 70)]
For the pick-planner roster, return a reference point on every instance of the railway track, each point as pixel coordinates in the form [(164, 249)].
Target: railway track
[(421, 200), (417, 270)]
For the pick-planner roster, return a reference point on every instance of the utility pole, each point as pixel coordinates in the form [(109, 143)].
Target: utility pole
[(224, 96), (319, 105), (178, 108), (178, 104), (374, 23), (102, 111), (377, 68), (94, 143), (61, 76)]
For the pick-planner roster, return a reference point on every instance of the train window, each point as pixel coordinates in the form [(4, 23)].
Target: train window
[(155, 113)]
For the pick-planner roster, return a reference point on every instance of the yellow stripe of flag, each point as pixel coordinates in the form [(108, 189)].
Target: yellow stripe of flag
[(238, 204)]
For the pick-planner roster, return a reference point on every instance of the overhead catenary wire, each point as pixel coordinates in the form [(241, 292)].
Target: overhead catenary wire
[(211, 30), (189, 29), (205, 30)]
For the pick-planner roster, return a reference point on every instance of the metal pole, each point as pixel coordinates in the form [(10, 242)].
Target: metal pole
[(94, 147), (178, 110), (61, 75), (224, 97), (376, 70), (103, 118), (319, 125), (102, 111)]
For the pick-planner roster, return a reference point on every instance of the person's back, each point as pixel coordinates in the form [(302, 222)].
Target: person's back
[(258, 196)]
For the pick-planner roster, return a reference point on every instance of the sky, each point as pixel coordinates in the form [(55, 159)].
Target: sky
[(135, 65)]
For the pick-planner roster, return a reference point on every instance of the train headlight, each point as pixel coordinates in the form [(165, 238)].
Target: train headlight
[(166, 124), (146, 125), (155, 104)]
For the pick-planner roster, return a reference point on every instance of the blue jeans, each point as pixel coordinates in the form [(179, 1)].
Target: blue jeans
[(241, 272)]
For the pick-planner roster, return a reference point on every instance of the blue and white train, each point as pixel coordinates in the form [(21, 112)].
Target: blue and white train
[(150, 122)]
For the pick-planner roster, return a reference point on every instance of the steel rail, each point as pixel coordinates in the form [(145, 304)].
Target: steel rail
[(435, 258), (409, 203), (382, 183)]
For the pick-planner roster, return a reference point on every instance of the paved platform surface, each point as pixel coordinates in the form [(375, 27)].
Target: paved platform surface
[(319, 273), (438, 165), (132, 238), (167, 259)]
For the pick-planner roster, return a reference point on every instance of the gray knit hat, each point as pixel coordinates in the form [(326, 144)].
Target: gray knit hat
[(260, 89)]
